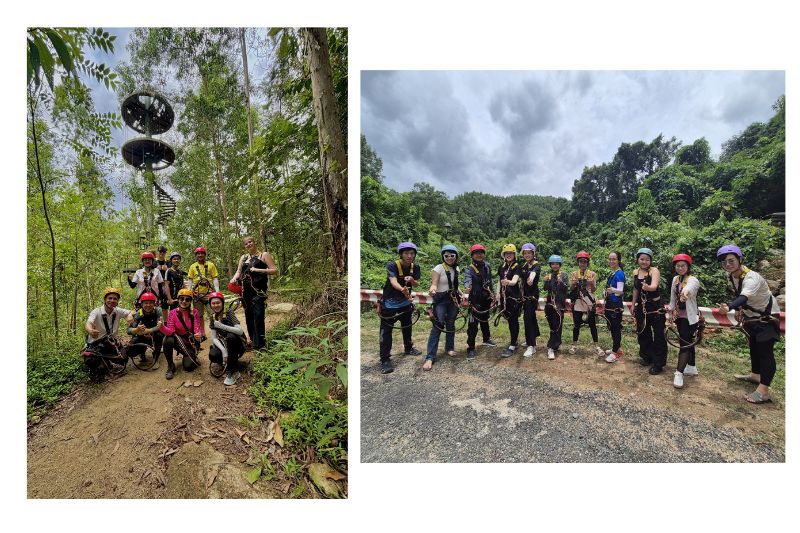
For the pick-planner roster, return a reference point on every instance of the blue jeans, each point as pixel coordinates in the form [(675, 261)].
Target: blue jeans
[(445, 312)]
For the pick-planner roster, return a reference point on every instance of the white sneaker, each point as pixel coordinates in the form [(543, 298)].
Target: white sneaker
[(599, 351), (611, 358), (572, 350), (528, 352), (608, 352), (678, 382), (523, 344), (551, 354), (690, 371)]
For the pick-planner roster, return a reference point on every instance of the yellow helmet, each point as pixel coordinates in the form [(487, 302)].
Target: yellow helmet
[(185, 292), (111, 290), (508, 248)]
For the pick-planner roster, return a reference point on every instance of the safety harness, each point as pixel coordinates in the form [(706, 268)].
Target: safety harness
[(476, 312), (389, 320)]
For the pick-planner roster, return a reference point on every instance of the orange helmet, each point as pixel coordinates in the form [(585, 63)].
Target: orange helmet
[(583, 255)]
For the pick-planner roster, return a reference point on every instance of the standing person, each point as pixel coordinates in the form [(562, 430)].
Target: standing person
[(146, 279), (402, 275), (649, 312), (508, 294), (253, 272), (613, 310), (479, 295), (227, 343), (146, 328), (175, 279), (202, 274), (183, 332), (103, 322), (444, 289), (530, 270), (756, 307), (555, 283), (162, 264), (685, 314), (583, 283)]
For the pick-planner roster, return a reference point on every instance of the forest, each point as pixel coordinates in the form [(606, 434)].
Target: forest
[(661, 194), (258, 151)]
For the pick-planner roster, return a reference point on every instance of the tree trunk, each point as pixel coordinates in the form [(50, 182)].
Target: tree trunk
[(333, 159), (223, 202)]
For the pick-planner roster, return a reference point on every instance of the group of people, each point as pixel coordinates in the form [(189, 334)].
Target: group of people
[(185, 298), (517, 292)]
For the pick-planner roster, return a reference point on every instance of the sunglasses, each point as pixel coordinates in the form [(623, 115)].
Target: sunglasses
[(449, 256), (184, 299), (729, 261)]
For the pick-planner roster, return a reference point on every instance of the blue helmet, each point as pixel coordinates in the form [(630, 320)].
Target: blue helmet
[(554, 259), (406, 246), (647, 251), (449, 248)]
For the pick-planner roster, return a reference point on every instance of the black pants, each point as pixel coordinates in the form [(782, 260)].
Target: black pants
[(403, 315), (171, 343), (156, 341), (652, 339), (529, 321), (762, 357), (511, 313), (255, 313), (235, 348), (476, 319), (555, 319), (613, 313), (686, 331), (108, 351), (577, 318)]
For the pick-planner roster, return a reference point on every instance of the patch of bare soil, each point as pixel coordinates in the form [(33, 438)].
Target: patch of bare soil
[(138, 436)]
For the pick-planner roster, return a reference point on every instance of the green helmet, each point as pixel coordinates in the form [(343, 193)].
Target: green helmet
[(647, 251)]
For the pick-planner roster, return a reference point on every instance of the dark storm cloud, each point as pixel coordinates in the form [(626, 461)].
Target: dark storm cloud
[(523, 110)]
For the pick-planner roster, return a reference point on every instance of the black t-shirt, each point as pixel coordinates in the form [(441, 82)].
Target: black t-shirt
[(260, 280), (508, 271), (394, 269), (175, 280), (525, 270)]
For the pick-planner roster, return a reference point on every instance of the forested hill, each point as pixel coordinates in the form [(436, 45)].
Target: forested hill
[(661, 194)]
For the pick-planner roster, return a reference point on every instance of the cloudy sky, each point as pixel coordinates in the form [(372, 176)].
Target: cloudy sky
[(533, 132)]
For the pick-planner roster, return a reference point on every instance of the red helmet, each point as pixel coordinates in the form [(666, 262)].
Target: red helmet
[(583, 255), (148, 255), (682, 257), (477, 248), (148, 297), (199, 250), (216, 295), (235, 288)]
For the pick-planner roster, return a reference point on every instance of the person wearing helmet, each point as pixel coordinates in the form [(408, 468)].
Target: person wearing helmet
[(530, 271), (685, 314), (555, 283), (146, 328), (615, 288), (446, 298), (146, 279), (648, 310), (227, 342), (509, 294), (103, 323), (479, 295), (202, 276), (583, 283), (174, 279), (252, 274), (183, 332), (402, 276), (759, 313)]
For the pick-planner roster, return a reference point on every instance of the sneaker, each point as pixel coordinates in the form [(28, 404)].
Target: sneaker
[(452, 353), (551, 354), (490, 342), (413, 351), (386, 367), (608, 352), (170, 373), (508, 351), (678, 381), (471, 353), (655, 370), (690, 371), (599, 351), (572, 350), (231, 378), (613, 357), (523, 345), (529, 352), (645, 362)]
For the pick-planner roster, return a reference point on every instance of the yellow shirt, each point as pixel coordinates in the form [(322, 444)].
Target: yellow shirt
[(198, 271)]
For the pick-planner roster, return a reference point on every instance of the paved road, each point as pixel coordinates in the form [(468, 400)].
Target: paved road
[(482, 411)]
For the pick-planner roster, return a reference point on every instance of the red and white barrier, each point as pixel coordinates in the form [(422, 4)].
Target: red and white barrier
[(713, 316)]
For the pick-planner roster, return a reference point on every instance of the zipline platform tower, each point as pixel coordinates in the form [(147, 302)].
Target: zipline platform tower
[(149, 113)]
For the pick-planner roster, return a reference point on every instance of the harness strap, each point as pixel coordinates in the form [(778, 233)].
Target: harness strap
[(109, 331), (183, 322)]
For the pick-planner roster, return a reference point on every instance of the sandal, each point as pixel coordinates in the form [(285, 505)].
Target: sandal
[(757, 397), (747, 378), (427, 365)]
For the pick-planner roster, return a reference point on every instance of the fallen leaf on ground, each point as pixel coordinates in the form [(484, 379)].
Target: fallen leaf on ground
[(322, 476), (198, 383), (187, 383), (278, 433), (212, 475), (116, 447), (254, 474), (239, 432)]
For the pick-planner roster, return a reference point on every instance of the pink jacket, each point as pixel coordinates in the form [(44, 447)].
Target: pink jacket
[(174, 325)]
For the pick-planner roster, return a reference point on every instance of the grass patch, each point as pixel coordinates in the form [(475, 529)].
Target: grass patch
[(53, 371)]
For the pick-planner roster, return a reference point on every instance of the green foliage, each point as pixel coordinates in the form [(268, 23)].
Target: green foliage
[(53, 370), (49, 48), (388, 217)]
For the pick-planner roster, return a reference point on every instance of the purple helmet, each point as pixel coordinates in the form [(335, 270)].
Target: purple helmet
[(729, 249), (528, 246), (406, 246)]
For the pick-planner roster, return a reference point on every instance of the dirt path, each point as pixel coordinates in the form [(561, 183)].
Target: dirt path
[(141, 436), (574, 408)]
